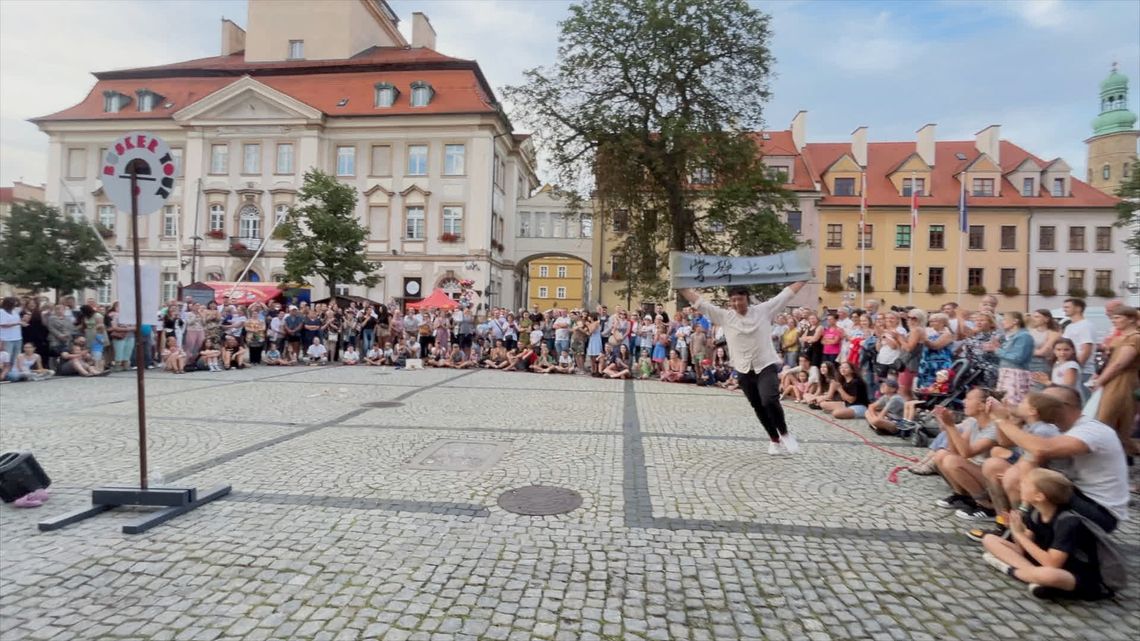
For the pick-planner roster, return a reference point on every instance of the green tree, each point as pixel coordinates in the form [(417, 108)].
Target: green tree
[(1129, 207), (323, 238), (43, 249), (652, 108)]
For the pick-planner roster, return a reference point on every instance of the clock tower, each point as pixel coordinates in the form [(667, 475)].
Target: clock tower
[(1112, 147)]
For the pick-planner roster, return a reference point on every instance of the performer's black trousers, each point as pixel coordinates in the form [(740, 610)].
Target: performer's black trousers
[(763, 392)]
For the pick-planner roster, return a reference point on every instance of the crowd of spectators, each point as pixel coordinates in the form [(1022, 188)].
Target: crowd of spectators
[(1026, 435)]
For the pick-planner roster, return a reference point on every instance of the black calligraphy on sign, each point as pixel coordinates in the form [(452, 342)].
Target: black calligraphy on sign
[(778, 264), (698, 265), (723, 269)]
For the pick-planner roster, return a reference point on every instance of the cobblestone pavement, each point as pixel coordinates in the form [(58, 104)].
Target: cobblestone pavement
[(688, 529)]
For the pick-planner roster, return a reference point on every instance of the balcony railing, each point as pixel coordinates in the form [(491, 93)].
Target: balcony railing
[(244, 245)]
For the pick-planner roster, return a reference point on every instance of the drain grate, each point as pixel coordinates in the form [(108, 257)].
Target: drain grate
[(540, 500), (382, 404)]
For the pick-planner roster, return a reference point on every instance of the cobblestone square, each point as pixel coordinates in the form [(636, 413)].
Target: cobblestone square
[(688, 529)]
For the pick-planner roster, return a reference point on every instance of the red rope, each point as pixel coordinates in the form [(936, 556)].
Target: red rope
[(893, 476)]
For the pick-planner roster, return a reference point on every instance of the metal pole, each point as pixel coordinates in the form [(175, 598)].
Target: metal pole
[(140, 350)]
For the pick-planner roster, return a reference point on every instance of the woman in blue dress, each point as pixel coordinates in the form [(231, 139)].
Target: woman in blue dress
[(937, 355), (594, 346)]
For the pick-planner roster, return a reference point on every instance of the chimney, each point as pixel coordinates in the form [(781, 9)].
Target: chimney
[(799, 130), (988, 141), (233, 37), (423, 34), (925, 146), (859, 145)]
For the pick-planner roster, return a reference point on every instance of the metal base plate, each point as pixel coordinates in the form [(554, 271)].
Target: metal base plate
[(540, 500)]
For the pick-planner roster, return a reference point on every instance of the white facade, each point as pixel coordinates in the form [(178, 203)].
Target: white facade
[(544, 226), (1067, 257)]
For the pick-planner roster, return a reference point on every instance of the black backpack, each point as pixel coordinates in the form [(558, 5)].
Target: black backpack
[(1113, 573)]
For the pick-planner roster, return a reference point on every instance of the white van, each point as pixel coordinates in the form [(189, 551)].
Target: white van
[(1101, 324)]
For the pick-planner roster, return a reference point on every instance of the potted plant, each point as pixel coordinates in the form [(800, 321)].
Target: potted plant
[(833, 287), (1010, 291), (1078, 292), (238, 246), (868, 288), (976, 290), (903, 289), (1104, 292), (1047, 292), (104, 231), (448, 238), (216, 234), (937, 290)]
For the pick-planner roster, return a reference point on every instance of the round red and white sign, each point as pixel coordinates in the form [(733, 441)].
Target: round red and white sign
[(155, 171)]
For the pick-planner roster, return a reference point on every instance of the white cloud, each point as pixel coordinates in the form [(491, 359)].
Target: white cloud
[(1043, 14)]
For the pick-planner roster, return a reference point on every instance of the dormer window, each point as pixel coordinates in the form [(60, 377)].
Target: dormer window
[(385, 94), (1059, 187), (296, 50), (1028, 187), (147, 99), (844, 186), (113, 101), (421, 93), (914, 186), (983, 187)]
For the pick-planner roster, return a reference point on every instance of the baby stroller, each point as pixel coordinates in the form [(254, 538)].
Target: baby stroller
[(925, 427)]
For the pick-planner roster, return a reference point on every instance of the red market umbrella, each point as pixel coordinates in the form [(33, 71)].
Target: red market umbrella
[(438, 300), (243, 293)]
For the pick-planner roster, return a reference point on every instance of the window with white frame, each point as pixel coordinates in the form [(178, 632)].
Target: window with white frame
[(543, 271), (1028, 187), (421, 93), (543, 292), (113, 101), (217, 217), (557, 225), (74, 211), (249, 222), (587, 228), (103, 293), (384, 95), (453, 221), (417, 160), (540, 224), (414, 223), (453, 160), (296, 49), (170, 221), (251, 159), (169, 286), (524, 224), (107, 216), (346, 161), (560, 292), (219, 159), (280, 212), (562, 271), (146, 101), (1059, 187), (284, 158)]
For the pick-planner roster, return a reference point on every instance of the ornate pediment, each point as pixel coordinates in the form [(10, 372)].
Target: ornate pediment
[(248, 101)]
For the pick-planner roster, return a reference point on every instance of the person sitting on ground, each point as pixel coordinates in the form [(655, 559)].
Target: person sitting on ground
[(350, 356), (375, 355), (852, 391), (828, 386), (28, 366), (173, 358), (798, 388), (619, 364), (674, 371), (732, 383), (235, 355), (271, 355), (209, 357), (645, 369), (566, 363), (968, 445), (883, 413), (525, 358), (452, 358), (497, 356), (545, 363), (1098, 467), (1052, 548), (76, 360), (471, 357)]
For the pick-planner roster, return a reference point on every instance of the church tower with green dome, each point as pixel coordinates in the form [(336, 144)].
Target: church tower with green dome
[(1112, 147)]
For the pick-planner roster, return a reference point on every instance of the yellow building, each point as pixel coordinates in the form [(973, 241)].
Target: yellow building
[(937, 261), (556, 281)]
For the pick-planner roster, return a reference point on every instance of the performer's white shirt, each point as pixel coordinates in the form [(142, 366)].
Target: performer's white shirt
[(749, 336)]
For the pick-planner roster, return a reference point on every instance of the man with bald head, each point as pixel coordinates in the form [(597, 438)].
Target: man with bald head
[(1096, 465)]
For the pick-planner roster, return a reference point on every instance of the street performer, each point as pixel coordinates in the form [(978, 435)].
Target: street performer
[(748, 330)]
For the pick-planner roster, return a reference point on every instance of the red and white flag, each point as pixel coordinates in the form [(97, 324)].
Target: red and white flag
[(913, 205)]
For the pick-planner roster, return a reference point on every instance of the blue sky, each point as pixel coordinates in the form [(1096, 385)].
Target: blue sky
[(1032, 67)]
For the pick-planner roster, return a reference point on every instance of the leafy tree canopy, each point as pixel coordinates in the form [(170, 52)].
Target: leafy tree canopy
[(652, 108), (43, 249), (323, 237), (1129, 207)]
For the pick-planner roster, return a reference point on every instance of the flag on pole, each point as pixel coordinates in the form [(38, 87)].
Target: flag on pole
[(863, 204), (913, 205), (963, 216)]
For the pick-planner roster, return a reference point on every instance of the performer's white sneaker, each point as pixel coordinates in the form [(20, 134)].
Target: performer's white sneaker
[(789, 444), (774, 449)]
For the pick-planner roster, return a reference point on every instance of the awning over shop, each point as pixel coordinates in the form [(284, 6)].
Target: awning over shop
[(235, 293), (439, 299)]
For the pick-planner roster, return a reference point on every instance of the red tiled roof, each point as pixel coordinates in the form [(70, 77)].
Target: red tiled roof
[(883, 157), (781, 143), (459, 85)]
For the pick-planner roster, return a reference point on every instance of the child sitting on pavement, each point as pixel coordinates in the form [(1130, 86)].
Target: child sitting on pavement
[(883, 413)]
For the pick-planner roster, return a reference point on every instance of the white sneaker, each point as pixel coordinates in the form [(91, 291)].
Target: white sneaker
[(774, 449), (996, 563), (789, 443)]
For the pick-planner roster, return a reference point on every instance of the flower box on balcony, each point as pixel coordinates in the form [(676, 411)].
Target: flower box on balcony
[(105, 232), (936, 290), (1078, 292), (1010, 291), (1047, 291), (449, 238), (216, 234), (976, 290)]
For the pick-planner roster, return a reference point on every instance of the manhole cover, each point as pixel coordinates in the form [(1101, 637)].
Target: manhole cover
[(459, 456), (382, 404), (540, 500)]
